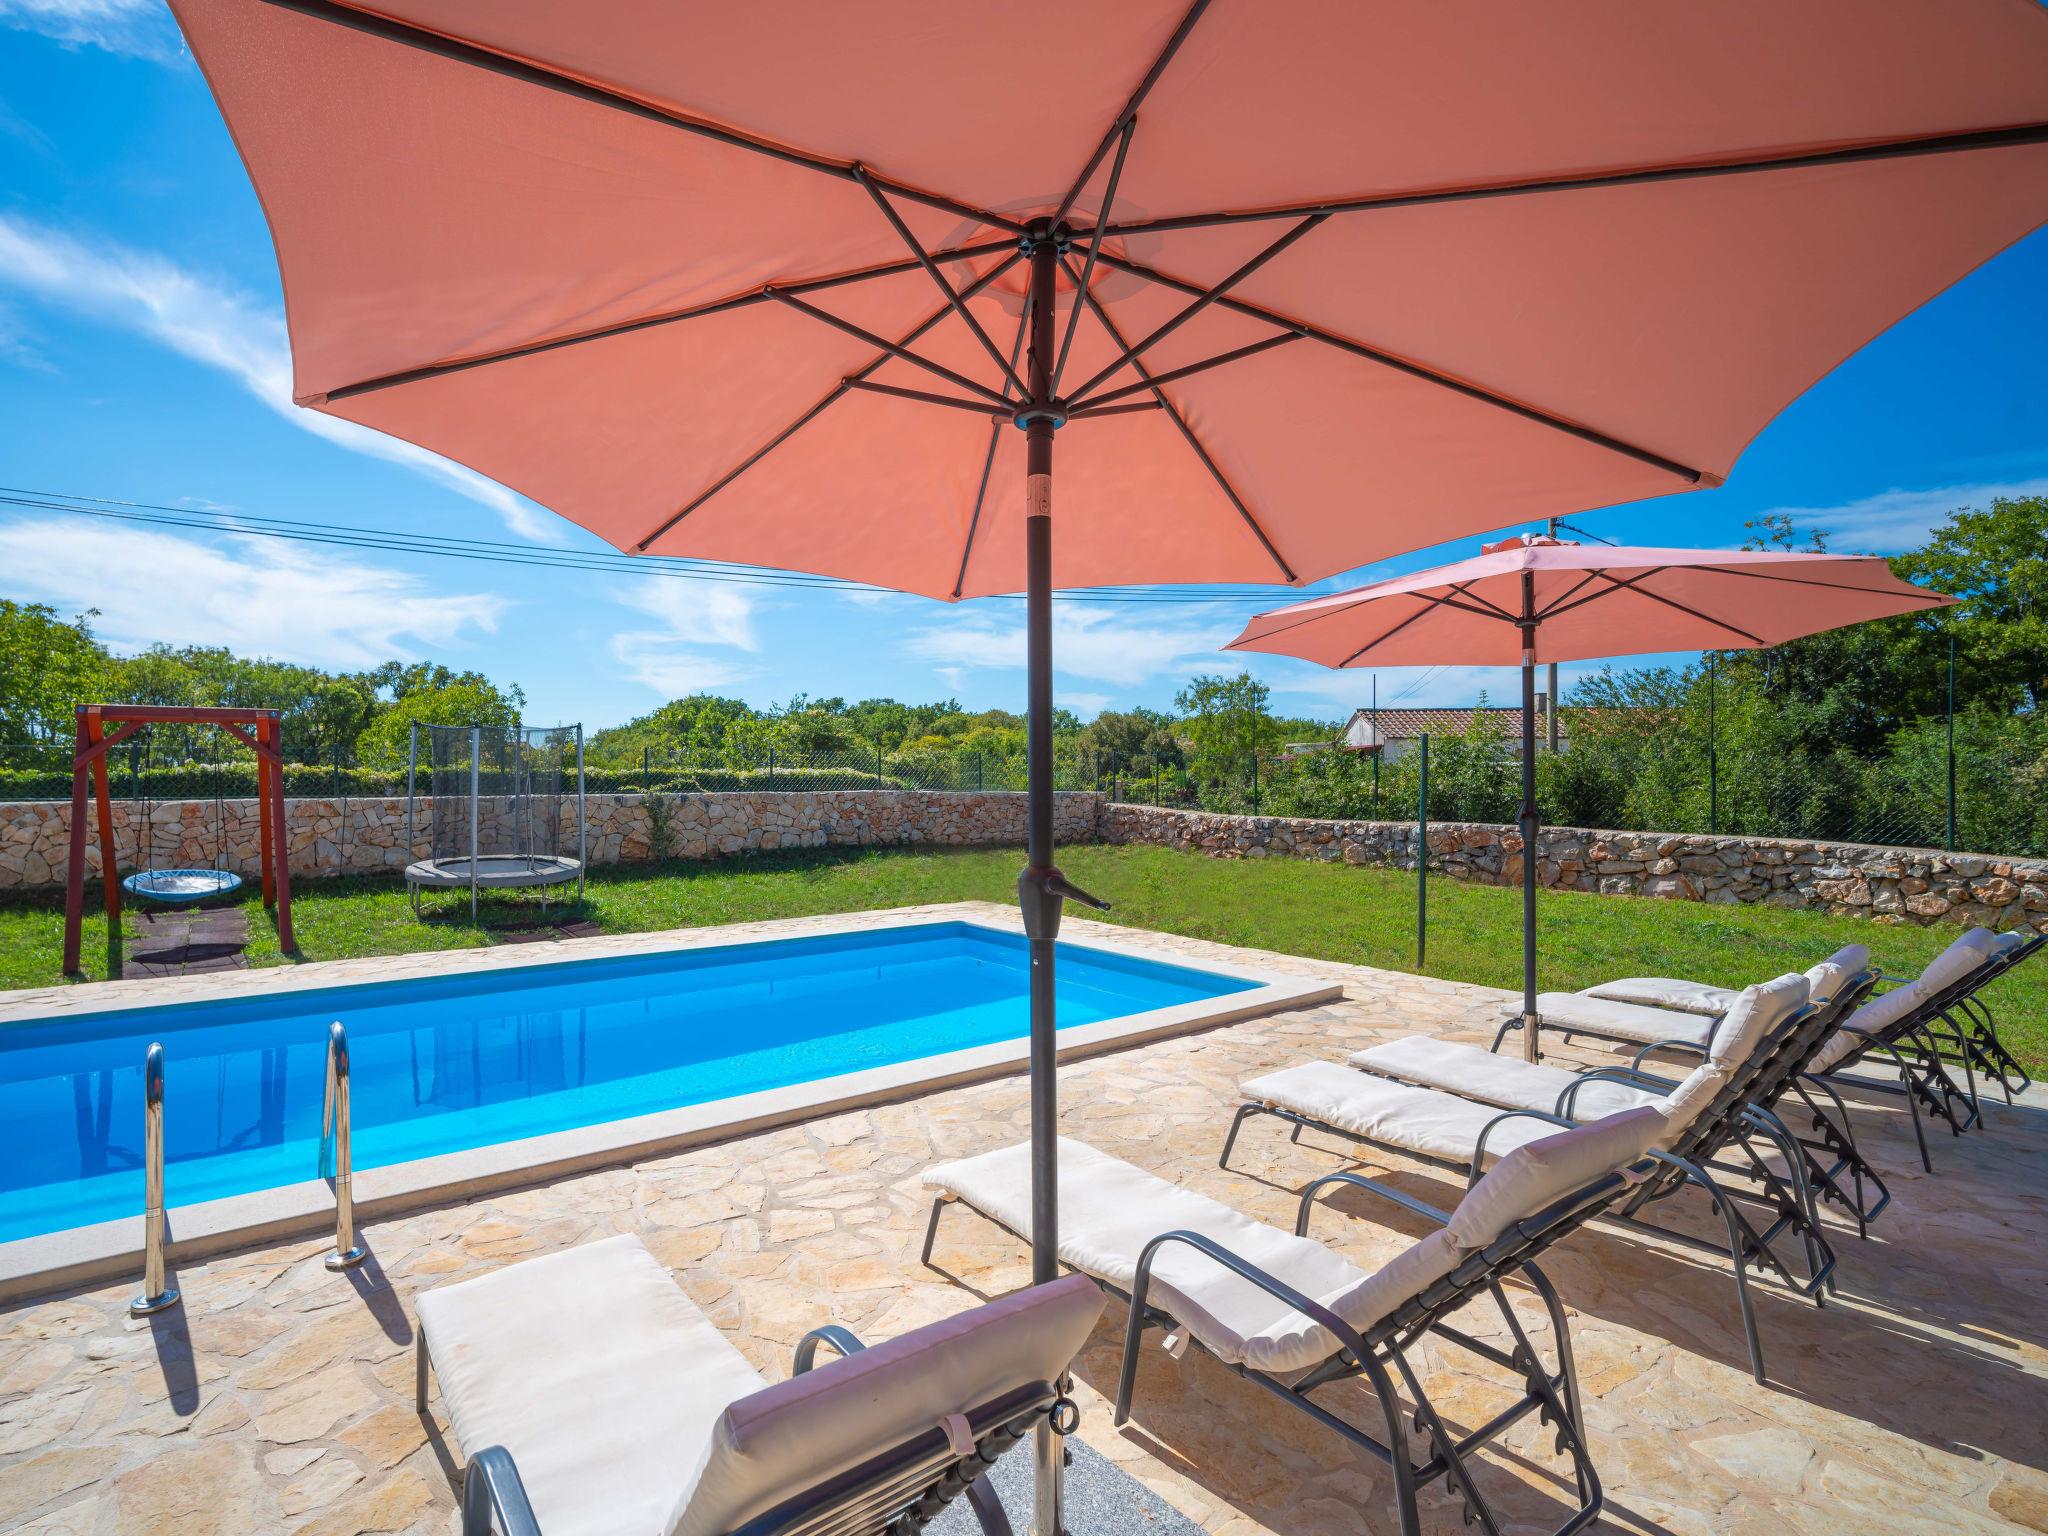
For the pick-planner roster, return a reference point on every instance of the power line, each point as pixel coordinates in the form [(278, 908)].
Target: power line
[(220, 522)]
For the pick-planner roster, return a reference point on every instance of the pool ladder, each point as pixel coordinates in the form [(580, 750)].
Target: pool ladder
[(334, 1121), (156, 1296)]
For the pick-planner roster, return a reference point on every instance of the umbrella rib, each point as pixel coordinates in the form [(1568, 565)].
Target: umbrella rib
[(1116, 173), (838, 391), (463, 51), (647, 322), (2014, 136), (1091, 406), (988, 462), (1180, 424), (1557, 603), (894, 349), (1130, 111), (1810, 581), (1419, 371), (979, 407), (1203, 300), (1429, 607), (867, 180), (1130, 407), (1630, 584)]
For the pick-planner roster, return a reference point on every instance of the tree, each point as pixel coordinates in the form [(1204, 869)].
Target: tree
[(383, 745), (48, 667), (1996, 561), (1226, 720)]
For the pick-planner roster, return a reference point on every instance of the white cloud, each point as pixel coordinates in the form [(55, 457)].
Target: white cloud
[(1897, 520), (1110, 643), (692, 614), (951, 676), (224, 330), (1086, 706), (253, 596), (140, 29)]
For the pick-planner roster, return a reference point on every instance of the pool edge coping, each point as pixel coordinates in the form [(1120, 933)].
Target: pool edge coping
[(78, 1257)]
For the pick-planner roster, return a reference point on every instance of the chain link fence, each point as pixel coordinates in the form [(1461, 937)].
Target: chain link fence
[(1992, 797), (1989, 796)]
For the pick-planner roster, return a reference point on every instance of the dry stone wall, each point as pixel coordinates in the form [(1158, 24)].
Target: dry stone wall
[(368, 835), (1914, 885)]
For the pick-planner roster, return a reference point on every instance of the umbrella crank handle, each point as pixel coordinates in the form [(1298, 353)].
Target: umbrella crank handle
[(1039, 894)]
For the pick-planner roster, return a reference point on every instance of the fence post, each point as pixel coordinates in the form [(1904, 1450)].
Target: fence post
[(1255, 781), (1422, 862), (771, 767), (1713, 758), (1951, 741), (1155, 781), (980, 774), (646, 778)]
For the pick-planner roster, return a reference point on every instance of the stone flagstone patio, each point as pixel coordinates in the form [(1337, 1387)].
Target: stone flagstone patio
[(279, 1396)]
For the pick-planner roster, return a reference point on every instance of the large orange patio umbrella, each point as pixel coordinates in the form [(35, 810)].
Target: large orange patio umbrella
[(1537, 600), (1295, 283)]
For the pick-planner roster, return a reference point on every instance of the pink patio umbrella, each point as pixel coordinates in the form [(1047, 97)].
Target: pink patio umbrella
[(769, 283), (1543, 600)]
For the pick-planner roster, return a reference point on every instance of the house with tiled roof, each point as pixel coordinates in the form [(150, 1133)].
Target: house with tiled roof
[(1393, 733)]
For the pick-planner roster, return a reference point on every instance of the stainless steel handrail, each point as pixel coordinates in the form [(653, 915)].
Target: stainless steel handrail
[(156, 1296), (334, 1121)]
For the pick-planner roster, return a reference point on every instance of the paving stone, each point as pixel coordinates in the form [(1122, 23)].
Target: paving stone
[(775, 1234)]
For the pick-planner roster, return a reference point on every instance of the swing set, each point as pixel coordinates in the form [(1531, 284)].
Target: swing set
[(257, 729)]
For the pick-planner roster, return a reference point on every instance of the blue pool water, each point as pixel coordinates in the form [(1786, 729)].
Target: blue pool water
[(448, 1063)]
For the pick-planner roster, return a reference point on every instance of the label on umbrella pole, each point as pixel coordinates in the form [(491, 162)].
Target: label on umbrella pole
[(1038, 495)]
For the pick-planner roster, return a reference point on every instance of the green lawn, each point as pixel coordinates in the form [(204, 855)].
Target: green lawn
[(1321, 910)]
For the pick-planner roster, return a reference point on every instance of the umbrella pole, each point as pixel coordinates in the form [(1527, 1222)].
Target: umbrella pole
[(1527, 624), (1041, 887)]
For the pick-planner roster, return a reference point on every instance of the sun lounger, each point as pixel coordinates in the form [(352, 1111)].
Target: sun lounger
[(1759, 1047), (593, 1397), (1838, 983), (1973, 1028), (1899, 1026), (1644, 1010), (1284, 1311)]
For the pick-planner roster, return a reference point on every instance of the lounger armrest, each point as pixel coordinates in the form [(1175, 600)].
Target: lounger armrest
[(494, 1499), (1693, 1046), (1314, 1311), (1478, 1169), (842, 1342), (1568, 1101), (1374, 1186)]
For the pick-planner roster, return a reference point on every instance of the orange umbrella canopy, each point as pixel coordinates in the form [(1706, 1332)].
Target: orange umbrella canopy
[(1580, 601), (1407, 271)]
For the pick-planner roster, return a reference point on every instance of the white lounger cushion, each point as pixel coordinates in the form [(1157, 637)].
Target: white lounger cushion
[(1110, 1210), (770, 1446), (1665, 992), (595, 1371), (1508, 1082), (1597, 1013), (1511, 1083), (1966, 954), (1569, 1012), (1443, 1124), (1678, 996)]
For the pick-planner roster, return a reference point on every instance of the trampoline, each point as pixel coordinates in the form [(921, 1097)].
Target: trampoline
[(496, 804)]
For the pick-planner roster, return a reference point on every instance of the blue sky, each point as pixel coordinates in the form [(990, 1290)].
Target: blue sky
[(142, 357)]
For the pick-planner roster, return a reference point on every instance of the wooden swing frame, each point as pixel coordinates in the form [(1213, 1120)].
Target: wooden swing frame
[(260, 730)]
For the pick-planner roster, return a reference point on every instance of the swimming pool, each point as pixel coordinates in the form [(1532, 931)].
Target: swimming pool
[(447, 1063)]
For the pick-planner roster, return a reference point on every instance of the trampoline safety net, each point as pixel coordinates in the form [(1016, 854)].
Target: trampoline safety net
[(518, 776)]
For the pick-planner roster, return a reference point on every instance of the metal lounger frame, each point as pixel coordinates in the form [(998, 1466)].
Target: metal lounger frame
[(1977, 1031), (893, 1494), (1378, 1354), (1738, 1112), (1911, 1045)]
